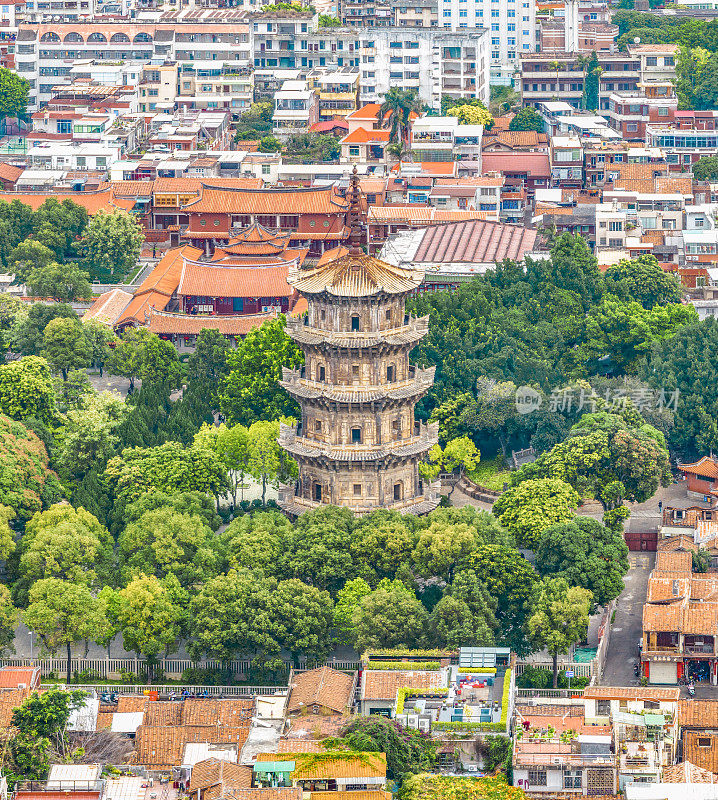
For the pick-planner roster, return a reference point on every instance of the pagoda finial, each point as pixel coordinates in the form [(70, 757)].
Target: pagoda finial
[(355, 216)]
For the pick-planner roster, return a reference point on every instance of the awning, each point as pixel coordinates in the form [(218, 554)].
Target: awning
[(274, 766)]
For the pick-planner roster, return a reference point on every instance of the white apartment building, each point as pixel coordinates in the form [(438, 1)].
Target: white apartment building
[(447, 139), (511, 25), (296, 108), (434, 62), (72, 157), (47, 53)]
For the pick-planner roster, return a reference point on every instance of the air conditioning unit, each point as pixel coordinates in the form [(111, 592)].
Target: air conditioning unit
[(22, 686), (557, 762), (472, 768)]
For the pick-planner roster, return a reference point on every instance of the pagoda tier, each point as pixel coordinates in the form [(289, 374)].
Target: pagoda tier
[(357, 443), (410, 333), (419, 382)]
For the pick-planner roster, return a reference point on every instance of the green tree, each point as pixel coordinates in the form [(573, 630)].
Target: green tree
[(586, 554), (381, 542), (14, 93), (26, 482), (269, 144), (310, 147), (389, 617), (318, 549), (560, 618), (149, 617), (257, 541), (256, 122), (164, 542), (327, 21), (112, 242), (64, 346), (250, 391), (27, 335), (461, 454), (527, 119), (8, 619), (268, 461), (407, 751), (167, 468), (534, 505), (59, 226), (443, 548), (347, 600), (7, 537), (231, 617), (27, 257), (444, 787), (301, 619), (68, 544), (60, 281), (26, 390), (705, 169), (451, 624), (643, 280), (396, 110), (592, 75), (62, 613), (207, 364), (472, 115), (100, 340), (625, 332)]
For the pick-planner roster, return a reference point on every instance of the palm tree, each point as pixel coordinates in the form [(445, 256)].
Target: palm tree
[(396, 110), (399, 150), (557, 66)]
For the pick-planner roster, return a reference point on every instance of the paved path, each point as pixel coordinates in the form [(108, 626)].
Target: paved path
[(626, 630)]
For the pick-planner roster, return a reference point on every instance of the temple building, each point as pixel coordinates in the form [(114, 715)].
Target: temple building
[(357, 443)]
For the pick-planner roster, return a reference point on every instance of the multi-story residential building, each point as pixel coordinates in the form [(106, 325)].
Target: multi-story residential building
[(630, 112), (210, 85), (338, 91), (365, 13), (415, 14), (447, 139), (159, 85), (566, 161), (296, 108), (430, 61), (511, 25), (560, 76), (46, 52)]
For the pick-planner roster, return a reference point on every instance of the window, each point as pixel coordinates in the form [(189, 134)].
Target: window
[(322, 374), (631, 126), (397, 496), (355, 322), (651, 61), (572, 779), (603, 708), (537, 777), (357, 490), (266, 169), (615, 226), (317, 425), (318, 492), (704, 742), (669, 61), (356, 435), (355, 370), (662, 112), (390, 370), (388, 315)]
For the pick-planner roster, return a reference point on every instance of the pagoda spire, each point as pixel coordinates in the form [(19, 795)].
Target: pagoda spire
[(355, 215)]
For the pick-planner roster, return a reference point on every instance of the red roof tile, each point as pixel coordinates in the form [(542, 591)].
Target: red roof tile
[(268, 201), (224, 281), (475, 241), (535, 165)]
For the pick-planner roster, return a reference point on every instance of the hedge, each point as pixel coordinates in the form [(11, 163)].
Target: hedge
[(409, 653), (403, 665), (478, 671), (405, 692), (468, 726)]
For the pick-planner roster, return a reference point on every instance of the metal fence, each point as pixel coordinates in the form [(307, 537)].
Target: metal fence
[(175, 689), (581, 669), (113, 668)]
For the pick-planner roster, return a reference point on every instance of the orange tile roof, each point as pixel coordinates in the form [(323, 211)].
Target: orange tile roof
[(703, 714), (473, 180), (673, 562), (324, 687), (363, 136), (301, 746), (168, 323), (685, 772), (104, 720), (317, 726), (701, 618), (667, 184), (108, 307), (666, 588), (516, 138), (141, 306), (668, 618), (13, 677), (10, 699), (8, 172), (268, 201), (700, 747), (132, 702), (383, 684), (346, 765), (164, 712), (229, 281), (630, 693), (384, 215), (92, 202), (231, 712), (163, 746), (706, 466), (215, 771)]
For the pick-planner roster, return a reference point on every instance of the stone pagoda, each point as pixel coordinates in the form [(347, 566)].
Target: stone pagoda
[(357, 443)]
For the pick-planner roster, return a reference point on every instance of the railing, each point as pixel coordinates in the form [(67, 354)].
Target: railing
[(112, 668), (534, 694), (165, 690), (581, 669)]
